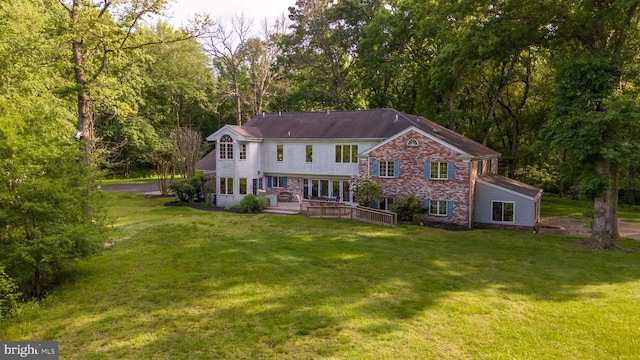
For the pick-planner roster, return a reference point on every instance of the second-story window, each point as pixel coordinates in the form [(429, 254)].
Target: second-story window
[(309, 150), (280, 152), (226, 147), (243, 152), (346, 153), (387, 168)]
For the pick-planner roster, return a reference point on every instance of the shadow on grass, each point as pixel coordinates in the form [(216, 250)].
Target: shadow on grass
[(186, 284)]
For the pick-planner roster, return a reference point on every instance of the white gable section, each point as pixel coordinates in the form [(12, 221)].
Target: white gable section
[(228, 130), (463, 154)]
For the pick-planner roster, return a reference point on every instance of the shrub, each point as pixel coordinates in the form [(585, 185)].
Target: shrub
[(8, 294), (189, 189), (252, 204), (366, 190), (407, 208)]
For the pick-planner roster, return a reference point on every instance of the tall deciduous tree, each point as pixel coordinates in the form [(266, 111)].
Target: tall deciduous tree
[(224, 43), (596, 113)]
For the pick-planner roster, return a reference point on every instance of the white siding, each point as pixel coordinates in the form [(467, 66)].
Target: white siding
[(294, 160)]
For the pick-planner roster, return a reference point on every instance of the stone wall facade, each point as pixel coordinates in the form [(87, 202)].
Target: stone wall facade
[(412, 150)]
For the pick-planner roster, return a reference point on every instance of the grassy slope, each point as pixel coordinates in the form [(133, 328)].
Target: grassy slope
[(186, 284)]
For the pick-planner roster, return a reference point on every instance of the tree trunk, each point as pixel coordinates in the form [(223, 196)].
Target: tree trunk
[(605, 227)]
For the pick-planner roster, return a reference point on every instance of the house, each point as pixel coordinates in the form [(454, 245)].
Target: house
[(314, 155)]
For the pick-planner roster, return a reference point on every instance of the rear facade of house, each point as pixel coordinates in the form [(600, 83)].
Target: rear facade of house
[(314, 155)]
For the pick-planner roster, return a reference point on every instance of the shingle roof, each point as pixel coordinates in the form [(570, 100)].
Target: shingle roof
[(247, 131), (378, 124), (207, 163), (511, 184)]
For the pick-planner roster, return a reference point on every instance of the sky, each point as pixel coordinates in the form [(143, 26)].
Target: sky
[(183, 10)]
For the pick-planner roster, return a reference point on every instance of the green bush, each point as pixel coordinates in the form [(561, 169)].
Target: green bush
[(8, 294), (252, 204), (189, 189), (407, 208)]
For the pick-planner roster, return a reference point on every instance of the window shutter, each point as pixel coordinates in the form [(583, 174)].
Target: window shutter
[(284, 182), (449, 208), (376, 168), (450, 171), (425, 203), (427, 170), (396, 169), (269, 181)]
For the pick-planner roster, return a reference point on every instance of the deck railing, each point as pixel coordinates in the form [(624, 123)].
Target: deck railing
[(353, 213)]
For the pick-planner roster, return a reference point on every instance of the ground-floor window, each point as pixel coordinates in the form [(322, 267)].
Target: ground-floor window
[(502, 211), (258, 184), (279, 181), (438, 207), (326, 189), (243, 186), (226, 186)]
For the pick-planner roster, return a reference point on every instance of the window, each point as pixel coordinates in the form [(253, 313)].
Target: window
[(226, 147), (243, 186), (502, 211), (277, 181), (412, 142), (438, 170), (243, 152), (480, 164), (309, 151), (226, 186), (387, 168), (280, 152), (438, 207), (347, 153)]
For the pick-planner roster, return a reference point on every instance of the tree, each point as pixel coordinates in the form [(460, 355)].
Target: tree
[(320, 53), (165, 168), (98, 33), (263, 74), (224, 44), (44, 217), (596, 115), (188, 149), (366, 191)]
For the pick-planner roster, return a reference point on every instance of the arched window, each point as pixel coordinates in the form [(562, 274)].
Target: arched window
[(226, 147)]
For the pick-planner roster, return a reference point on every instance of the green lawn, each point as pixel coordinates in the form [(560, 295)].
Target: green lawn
[(185, 284)]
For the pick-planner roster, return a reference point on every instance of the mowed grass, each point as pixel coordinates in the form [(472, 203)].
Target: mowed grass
[(180, 283)]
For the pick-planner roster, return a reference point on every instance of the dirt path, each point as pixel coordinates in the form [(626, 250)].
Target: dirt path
[(628, 228)]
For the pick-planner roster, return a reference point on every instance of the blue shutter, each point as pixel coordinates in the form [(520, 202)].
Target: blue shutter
[(269, 181), (396, 169), (449, 208), (427, 169), (376, 168), (450, 170), (284, 182), (425, 203)]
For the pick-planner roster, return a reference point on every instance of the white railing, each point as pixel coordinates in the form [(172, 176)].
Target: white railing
[(353, 213)]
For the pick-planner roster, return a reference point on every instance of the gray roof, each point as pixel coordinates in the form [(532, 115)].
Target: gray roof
[(207, 163), (511, 184), (378, 124)]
